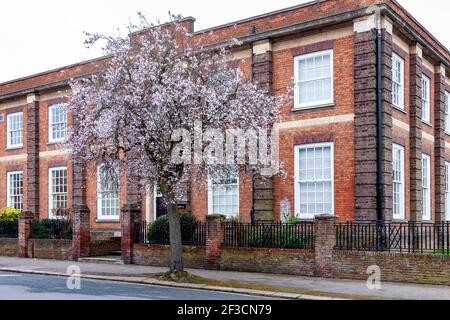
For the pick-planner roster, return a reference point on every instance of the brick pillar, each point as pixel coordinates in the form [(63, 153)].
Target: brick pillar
[(33, 154), (415, 133), (439, 147), (365, 75), (81, 232), (324, 242), (79, 184), (129, 214), (214, 240), (262, 72), (25, 221)]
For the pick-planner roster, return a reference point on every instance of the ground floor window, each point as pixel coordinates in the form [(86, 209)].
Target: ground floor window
[(108, 207), (426, 192), (15, 190), (398, 181), (57, 192), (314, 180), (223, 196)]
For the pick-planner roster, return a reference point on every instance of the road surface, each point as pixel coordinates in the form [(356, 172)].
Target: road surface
[(37, 287)]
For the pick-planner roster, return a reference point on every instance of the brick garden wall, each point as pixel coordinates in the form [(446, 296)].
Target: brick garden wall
[(50, 249), (294, 262), (395, 267), (8, 247), (158, 256)]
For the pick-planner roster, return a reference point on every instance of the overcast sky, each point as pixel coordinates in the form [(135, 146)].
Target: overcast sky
[(36, 36)]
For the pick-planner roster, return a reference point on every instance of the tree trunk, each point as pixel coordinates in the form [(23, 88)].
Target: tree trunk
[(176, 248)]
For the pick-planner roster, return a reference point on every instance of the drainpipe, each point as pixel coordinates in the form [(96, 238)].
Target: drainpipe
[(379, 118), (252, 212)]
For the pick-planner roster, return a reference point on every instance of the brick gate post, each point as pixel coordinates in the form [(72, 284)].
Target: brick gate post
[(214, 240), (81, 232), (324, 242), (25, 221), (129, 214)]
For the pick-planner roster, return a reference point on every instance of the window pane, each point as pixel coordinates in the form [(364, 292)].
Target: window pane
[(314, 79), (108, 192), (316, 185), (225, 195), (58, 191)]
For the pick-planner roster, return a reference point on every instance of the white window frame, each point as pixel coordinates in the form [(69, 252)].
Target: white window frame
[(9, 194), (297, 59), (297, 197), (51, 214), (51, 124), (100, 216), (8, 135), (426, 87), (426, 210), (447, 112), (401, 214), (447, 191), (401, 84), (211, 201)]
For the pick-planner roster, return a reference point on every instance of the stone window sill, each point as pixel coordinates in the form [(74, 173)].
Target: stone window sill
[(311, 108), (399, 109), (107, 221), (428, 124), (14, 148)]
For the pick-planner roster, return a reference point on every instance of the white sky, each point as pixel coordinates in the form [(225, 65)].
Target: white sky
[(36, 36)]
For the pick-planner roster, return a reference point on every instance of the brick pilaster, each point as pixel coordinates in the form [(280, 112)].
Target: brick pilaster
[(365, 74), (415, 134), (79, 184), (386, 101), (324, 242), (262, 72), (25, 221), (214, 240), (33, 154), (81, 232), (129, 214), (439, 146)]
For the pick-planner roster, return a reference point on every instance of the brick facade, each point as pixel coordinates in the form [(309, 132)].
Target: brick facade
[(350, 122)]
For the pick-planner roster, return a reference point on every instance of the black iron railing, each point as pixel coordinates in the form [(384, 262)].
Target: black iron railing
[(58, 229), (270, 235), (192, 234), (395, 237), (9, 229)]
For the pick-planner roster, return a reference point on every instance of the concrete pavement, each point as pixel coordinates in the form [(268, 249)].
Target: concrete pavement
[(307, 286)]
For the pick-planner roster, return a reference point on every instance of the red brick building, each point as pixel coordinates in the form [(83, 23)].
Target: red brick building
[(342, 141)]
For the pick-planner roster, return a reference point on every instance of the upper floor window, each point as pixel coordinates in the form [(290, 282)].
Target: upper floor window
[(398, 71), (15, 130), (223, 196), (108, 193), (15, 190), (426, 191), (314, 183), (57, 123), (57, 196), (425, 98), (398, 181), (447, 112), (313, 79)]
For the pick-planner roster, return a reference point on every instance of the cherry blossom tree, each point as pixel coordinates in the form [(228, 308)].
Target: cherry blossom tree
[(158, 92)]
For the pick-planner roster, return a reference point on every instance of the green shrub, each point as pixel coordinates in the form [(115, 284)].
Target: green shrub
[(52, 229), (276, 238), (159, 231), (9, 214)]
